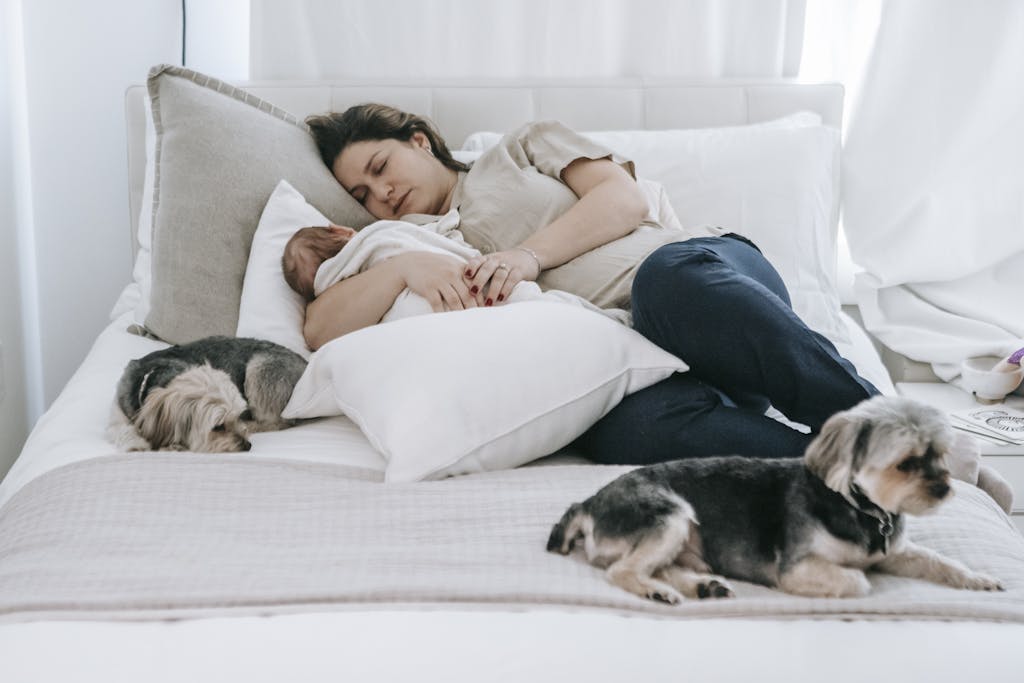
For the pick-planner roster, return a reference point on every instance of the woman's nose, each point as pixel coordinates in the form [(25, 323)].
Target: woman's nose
[(382, 191)]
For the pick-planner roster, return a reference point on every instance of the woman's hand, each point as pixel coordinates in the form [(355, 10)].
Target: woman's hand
[(438, 279), (491, 278)]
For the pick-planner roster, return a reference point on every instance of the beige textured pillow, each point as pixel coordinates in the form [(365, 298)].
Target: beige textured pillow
[(220, 153)]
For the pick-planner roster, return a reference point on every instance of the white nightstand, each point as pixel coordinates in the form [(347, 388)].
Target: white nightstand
[(1007, 460)]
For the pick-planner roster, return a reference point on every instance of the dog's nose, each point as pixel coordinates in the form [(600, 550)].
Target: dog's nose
[(246, 446), (939, 489)]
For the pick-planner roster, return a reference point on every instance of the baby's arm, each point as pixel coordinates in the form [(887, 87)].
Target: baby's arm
[(363, 299)]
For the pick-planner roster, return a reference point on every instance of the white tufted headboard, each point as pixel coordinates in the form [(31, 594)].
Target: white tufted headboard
[(459, 108)]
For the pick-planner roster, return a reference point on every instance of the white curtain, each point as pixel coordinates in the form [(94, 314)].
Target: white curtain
[(933, 181), (320, 39)]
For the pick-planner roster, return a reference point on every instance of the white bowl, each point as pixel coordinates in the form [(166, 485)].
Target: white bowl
[(980, 380)]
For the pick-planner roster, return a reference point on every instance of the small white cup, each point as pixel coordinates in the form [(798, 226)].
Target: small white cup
[(987, 385)]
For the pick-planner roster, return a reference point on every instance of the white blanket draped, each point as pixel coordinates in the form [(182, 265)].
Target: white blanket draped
[(933, 181)]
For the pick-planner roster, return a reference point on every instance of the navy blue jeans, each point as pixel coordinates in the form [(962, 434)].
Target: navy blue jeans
[(719, 305)]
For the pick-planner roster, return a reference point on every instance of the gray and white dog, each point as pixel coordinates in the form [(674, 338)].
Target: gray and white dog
[(809, 527), (205, 396)]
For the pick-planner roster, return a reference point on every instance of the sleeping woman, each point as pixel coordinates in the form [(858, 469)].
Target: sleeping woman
[(549, 206)]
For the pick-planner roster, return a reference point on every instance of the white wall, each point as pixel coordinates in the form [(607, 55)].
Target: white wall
[(13, 402), (64, 217), (218, 38), (79, 58), (64, 252)]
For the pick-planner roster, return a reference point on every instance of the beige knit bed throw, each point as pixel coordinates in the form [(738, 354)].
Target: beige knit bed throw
[(150, 536)]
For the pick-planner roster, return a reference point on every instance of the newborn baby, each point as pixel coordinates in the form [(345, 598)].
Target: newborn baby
[(316, 258)]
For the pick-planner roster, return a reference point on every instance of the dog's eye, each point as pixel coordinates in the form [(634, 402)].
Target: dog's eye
[(910, 464), (219, 428)]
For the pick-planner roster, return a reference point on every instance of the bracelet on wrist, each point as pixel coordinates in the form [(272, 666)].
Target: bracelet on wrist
[(536, 259)]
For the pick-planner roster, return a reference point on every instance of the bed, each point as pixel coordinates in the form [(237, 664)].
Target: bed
[(309, 558)]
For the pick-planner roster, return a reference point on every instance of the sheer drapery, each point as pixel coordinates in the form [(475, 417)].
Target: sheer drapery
[(933, 181), (319, 39)]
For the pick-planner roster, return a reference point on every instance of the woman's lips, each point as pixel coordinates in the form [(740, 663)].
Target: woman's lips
[(401, 202)]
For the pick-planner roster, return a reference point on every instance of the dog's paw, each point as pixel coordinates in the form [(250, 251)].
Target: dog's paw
[(977, 581), (820, 580), (665, 595), (853, 585), (715, 587), (125, 438)]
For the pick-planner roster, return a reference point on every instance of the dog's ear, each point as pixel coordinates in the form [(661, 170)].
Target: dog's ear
[(163, 420), (838, 450)]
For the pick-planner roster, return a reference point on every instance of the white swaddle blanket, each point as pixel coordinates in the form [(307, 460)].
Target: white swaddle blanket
[(385, 239)]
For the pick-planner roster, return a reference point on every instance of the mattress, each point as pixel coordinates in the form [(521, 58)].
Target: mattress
[(395, 640)]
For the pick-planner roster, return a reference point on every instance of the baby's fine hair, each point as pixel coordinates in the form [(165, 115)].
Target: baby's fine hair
[(335, 131), (322, 241)]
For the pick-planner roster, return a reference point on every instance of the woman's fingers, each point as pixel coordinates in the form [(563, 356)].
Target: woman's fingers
[(439, 279), (494, 276), (472, 265), (496, 288), (468, 300), (504, 290), (456, 296), (451, 299), (482, 274)]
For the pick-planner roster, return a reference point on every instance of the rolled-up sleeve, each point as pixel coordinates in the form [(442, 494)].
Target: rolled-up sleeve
[(550, 146)]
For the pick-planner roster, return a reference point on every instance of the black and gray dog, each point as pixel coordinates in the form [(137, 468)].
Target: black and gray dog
[(205, 396), (809, 527)]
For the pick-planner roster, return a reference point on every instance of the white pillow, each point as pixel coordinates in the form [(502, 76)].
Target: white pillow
[(774, 182), (480, 389), (269, 308), (142, 276)]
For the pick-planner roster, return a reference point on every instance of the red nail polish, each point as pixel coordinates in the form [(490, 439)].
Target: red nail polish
[(474, 289), (501, 297), (469, 273), (488, 302)]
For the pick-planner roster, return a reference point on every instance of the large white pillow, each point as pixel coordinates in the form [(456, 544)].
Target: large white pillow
[(269, 309), (775, 182), (480, 389)]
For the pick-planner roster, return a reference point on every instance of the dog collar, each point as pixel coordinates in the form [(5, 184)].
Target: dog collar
[(143, 387), (864, 504)]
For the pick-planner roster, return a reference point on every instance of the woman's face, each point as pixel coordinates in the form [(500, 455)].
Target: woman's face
[(392, 178)]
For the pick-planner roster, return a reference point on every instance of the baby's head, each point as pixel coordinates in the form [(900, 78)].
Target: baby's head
[(306, 250)]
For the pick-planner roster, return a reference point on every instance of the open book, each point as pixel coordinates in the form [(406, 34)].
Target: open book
[(998, 424)]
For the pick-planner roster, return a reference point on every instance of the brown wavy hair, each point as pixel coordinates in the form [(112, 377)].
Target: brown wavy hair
[(335, 131)]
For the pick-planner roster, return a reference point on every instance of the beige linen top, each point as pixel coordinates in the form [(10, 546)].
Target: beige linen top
[(515, 188)]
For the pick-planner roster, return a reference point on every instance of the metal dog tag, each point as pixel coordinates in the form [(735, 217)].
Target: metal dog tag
[(885, 528)]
